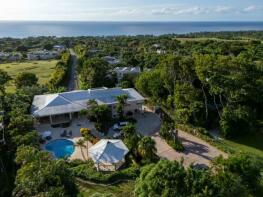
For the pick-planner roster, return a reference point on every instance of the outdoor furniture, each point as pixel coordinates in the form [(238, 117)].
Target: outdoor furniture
[(64, 133), (48, 138), (69, 134), (46, 134)]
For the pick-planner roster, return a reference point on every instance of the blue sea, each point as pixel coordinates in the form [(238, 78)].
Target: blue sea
[(40, 28)]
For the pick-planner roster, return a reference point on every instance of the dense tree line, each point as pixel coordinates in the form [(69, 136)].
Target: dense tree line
[(237, 176), (206, 90), (61, 73)]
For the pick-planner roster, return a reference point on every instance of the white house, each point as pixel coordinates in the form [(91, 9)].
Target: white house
[(160, 51), (42, 55), (59, 47), (63, 107), (10, 56), (108, 155), (121, 71), (111, 60)]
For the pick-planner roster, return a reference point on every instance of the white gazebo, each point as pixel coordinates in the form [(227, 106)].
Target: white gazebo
[(108, 155)]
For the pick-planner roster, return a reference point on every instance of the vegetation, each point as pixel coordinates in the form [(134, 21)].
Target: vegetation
[(226, 178), (116, 190), (168, 132), (201, 83), (100, 114), (87, 171), (42, 69), (25, 79), (54, 177), (60, 76)]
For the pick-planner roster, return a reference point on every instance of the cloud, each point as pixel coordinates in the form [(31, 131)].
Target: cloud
[(253, 8), (223, 9), (195, 10)]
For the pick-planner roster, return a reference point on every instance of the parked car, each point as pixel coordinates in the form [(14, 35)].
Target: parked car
[(118, 126), (118, 135)]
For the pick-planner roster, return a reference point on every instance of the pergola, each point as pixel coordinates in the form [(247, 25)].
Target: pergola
[(108, 155)]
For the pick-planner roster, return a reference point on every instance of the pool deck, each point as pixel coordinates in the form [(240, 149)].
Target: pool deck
[(79, 153)]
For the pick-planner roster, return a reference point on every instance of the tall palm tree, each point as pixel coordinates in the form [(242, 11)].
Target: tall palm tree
[(122, 99), (146, 148), (81, 143), (86, 134)]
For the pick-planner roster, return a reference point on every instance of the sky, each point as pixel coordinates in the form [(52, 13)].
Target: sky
[(132, 10)]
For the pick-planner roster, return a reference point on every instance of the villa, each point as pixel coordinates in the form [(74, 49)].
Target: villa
[(111, 60), (43, 55), (10, 56), (122, 71), (108, 155), (64, 107)]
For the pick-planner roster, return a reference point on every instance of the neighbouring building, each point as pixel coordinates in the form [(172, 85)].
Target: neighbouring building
[(63, 107), (10, 56), (108, 155), (121, 71), (59, 48), (160, 51), (111, 60), (42, 55)]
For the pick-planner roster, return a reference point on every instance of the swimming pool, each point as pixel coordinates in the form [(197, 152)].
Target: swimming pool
[(61, 148)]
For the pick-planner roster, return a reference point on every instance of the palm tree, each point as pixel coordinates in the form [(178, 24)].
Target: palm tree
[(86, 134), (146, 148), (81, 143), (122, 99)]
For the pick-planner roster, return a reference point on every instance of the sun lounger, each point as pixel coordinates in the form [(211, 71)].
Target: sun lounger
[(69, 134), (64, 133)]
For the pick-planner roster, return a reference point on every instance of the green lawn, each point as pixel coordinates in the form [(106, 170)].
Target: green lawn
[(205, 39), (120, 190), (252, 143), (43, 70)]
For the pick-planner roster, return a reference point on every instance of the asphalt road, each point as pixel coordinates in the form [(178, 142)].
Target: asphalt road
[(73, 82)]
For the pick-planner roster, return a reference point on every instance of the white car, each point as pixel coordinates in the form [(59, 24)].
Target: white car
[(117, 135), (119, 125)]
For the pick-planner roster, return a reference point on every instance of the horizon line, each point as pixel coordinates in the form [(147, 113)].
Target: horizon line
[(137, 21)]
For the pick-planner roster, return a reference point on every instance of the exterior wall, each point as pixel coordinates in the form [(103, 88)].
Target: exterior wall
[(129, 107)]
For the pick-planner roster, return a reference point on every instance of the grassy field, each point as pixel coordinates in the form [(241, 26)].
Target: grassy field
[(43, 70), (252, 143), (120, 190), (205, 39)]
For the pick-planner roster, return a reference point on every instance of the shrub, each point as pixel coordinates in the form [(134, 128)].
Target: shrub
[(171, 137), (88, 172)]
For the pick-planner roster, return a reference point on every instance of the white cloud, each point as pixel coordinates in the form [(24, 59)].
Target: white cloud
[(223, 9), (253, 8)]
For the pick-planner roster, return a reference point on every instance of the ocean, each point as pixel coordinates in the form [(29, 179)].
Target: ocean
[(23, 29)]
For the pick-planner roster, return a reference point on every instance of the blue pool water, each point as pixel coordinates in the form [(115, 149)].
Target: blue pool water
[(60, 148)]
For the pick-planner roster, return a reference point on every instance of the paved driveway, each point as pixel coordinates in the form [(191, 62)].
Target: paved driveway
[(148, 123), (197, 151)]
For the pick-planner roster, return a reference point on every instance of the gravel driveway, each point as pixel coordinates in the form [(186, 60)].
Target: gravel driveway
[(197, 151)]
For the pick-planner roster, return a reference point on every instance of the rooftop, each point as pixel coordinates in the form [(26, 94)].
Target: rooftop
[(108, 151), (75, 101)]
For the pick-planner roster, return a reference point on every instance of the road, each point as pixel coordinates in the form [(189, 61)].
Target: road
[(73, 82), (197, 151)]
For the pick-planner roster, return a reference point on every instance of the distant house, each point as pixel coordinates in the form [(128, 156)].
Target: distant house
[(111, 60), (64, 107), (157, 45), (121, 71), (42, 55), (59, 47), (10, 56), (160, 51), (108, 155)]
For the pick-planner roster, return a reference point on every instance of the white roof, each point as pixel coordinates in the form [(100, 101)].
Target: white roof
[(75, 101), (127, 69), (108, 151)]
